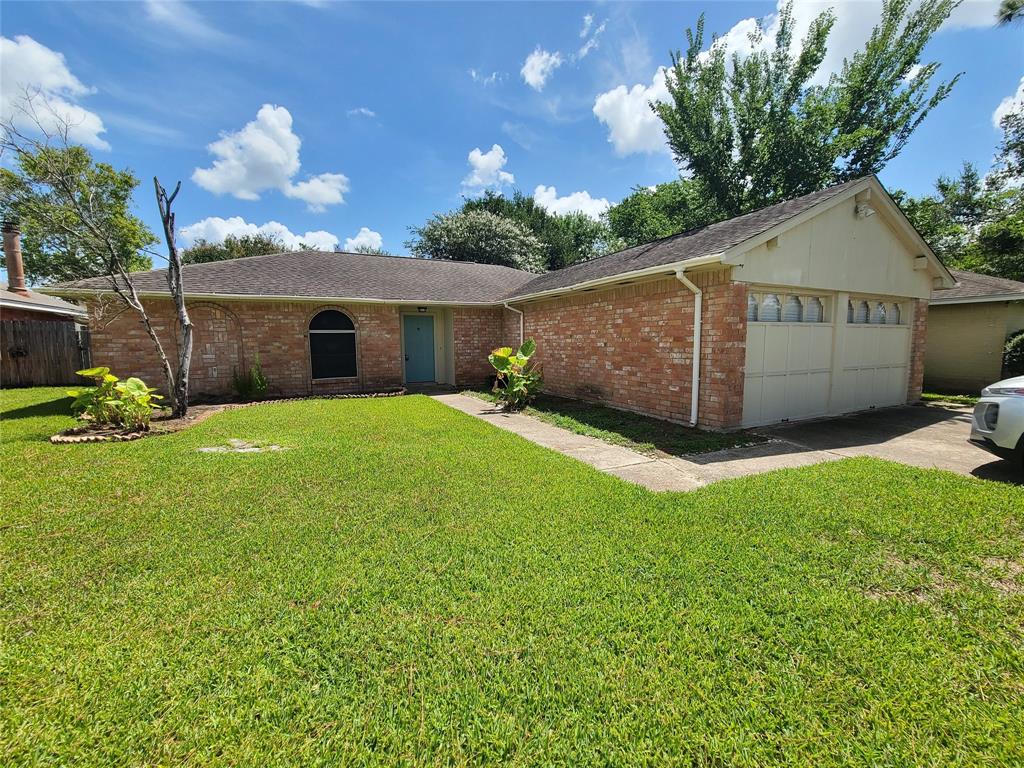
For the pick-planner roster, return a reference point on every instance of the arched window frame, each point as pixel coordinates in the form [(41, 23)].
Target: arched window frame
[(313, 340)]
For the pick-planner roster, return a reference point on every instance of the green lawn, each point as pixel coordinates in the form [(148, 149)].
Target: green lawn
[(631, 430), (938, 397), (409, 585)]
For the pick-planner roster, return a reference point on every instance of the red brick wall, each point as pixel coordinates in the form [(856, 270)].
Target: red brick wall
[(918, 336), (230, 334), (632, 347), (476, 331)]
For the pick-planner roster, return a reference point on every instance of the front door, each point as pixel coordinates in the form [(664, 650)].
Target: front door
[(419, 348)]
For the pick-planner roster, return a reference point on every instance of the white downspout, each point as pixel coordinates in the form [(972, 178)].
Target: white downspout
[(521, 317), (698, 298)]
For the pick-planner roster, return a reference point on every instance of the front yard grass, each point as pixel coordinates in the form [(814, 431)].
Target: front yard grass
[(409, 585), (938, 397), (630, 430)]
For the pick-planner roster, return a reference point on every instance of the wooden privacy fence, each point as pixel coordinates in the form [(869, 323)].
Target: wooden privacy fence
[(39, 353)]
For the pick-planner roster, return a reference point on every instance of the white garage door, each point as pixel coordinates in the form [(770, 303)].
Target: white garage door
[(792, 358)]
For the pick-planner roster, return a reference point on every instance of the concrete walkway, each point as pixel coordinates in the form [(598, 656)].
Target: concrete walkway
[(657, 473), (927, 437)]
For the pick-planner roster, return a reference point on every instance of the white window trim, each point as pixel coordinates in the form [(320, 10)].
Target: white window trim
[(783, 294)]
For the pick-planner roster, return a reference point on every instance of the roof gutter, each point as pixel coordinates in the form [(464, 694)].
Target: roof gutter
[(698, 302), (662, 269), (993, 298), (86, 292), (79, 313)]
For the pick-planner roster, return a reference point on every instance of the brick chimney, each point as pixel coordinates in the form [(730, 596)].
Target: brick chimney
[(12, 254)]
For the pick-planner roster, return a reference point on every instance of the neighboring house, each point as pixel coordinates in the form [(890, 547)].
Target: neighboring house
[(810, 307), (967, 330), (17, 302)]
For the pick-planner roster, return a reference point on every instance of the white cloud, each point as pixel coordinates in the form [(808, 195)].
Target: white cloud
[(479, 77), (632, 124), (183, 19), (487, 169), (1011, 103), (214, 229), (588, 22), (973, 13), (32, 70), (361, 112), (913, 72), (365, 238), (265, 155), (591, 42), (538, 67), (582, 202)]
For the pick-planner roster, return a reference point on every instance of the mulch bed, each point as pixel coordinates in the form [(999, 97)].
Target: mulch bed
[(165, 425)]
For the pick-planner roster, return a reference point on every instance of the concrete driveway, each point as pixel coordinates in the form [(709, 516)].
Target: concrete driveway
[(923, 436)]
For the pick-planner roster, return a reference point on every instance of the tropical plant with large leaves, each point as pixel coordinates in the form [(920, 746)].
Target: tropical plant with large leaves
[(518, 381)]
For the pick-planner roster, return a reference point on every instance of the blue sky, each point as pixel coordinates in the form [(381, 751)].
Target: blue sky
[(329, 118)]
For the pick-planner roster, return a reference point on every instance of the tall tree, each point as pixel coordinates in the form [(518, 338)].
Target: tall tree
[(55, 246), (233, 247), (754, 130), (59, 189), (566, 238), (649, 213), (1009, 11), (479, 236)]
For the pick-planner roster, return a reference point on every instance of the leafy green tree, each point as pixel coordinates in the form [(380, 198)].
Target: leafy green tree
[(755, 130), (233, 247), (1010, 10), (370, 250), (56, 244), (566, 238), (974, 224), (649, 214), (479, 236)]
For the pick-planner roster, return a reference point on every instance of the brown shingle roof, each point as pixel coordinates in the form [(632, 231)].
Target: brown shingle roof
[(975, 286), (40, 303), (318, 274), (692, 244)]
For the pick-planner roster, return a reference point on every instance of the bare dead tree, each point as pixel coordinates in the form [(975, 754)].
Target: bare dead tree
[(57, 196), (177, 289)]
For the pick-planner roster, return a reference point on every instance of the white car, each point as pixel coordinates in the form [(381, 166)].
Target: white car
[(998, 423)]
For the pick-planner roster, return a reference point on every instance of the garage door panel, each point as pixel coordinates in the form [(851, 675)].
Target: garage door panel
[(799, 354), (776, 348), (796, 395), (820, 346), (773, 398), (752, 387), (755, 349)]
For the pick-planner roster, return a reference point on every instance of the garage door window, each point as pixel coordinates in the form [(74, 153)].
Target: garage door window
[(893, 318), (793, 311), (814, 312), (878, 313), (857, 312), (751, 308), (771, 311)]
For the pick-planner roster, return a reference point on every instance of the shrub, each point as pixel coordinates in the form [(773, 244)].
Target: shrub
[(1013, 356), (129, 404), (517, 382), (251, 385)]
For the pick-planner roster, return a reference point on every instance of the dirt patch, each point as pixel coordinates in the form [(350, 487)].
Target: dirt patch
[(1004, 575), (235, 445), (931, 584)]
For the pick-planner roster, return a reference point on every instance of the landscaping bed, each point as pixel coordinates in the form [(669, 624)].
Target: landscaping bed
[(630, 430), (406, 584)]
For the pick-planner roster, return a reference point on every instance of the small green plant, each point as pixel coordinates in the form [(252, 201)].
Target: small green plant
[(129, 403), (517, 382), (251, 385), (1013, 356)]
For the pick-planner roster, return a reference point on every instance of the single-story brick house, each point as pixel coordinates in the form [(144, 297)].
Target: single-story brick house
[(967, 330), (810, 307)]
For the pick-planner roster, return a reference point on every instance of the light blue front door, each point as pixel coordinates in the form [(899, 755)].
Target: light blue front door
[(419, 348)]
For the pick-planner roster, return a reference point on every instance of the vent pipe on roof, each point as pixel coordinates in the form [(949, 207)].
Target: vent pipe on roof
[(12, 254)]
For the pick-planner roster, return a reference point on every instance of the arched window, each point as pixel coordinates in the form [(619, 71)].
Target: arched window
[(893, 318), (793, 310), (860, 312), (878, 313), (332, 345), (751, 308), (849, 311), (813, 312), (770, 308)]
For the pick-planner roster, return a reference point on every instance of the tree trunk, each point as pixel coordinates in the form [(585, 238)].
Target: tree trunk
[(179, 395)]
